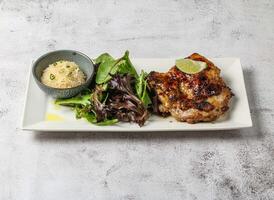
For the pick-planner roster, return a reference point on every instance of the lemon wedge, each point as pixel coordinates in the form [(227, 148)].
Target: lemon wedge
[(189, 66)]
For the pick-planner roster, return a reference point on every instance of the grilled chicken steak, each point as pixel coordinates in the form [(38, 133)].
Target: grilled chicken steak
[(191, 98)]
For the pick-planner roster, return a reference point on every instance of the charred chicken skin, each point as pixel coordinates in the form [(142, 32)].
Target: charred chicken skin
[(192, 98)]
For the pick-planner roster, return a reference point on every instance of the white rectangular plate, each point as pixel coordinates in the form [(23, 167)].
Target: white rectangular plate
[(40, 113)]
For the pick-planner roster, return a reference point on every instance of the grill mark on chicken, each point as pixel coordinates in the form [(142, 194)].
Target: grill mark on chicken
[(190, 97)]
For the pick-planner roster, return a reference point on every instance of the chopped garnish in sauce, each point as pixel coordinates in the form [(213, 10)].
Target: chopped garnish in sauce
[(63, 74), (51, 77)]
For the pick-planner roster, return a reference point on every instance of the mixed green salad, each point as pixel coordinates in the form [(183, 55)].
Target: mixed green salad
[(118, 93)]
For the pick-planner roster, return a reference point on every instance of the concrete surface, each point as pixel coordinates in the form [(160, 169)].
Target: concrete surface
[(200, 165)]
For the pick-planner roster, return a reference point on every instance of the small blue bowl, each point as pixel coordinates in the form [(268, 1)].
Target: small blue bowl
[(83, 61)]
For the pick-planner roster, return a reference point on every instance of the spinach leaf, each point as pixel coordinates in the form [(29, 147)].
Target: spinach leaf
[(83, 100), (126, 67), (106, 63), (103, 57), (141, 89), (145, 97), (103, 73), (108, 66)]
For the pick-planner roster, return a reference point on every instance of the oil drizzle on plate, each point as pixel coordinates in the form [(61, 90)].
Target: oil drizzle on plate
[(53, 117)]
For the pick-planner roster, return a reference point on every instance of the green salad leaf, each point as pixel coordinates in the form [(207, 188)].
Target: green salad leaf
[(103, 73), (109, 66), (82, 100), (141, 89), (126, 67), (107, 122), (90, 117), (103, 57)]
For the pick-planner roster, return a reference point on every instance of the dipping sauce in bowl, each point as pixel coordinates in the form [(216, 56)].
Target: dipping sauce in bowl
[(63, 74)]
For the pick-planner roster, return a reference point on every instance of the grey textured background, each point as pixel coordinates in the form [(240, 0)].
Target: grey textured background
[(207, 165)]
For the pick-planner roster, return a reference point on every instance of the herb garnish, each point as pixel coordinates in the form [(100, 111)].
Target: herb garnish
[(52, 77)]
